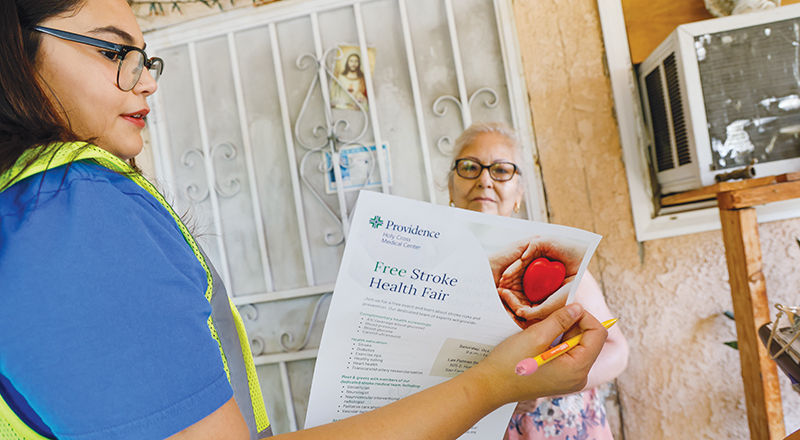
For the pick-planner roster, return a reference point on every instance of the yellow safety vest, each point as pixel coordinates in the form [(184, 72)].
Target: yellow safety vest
[(224, 323)]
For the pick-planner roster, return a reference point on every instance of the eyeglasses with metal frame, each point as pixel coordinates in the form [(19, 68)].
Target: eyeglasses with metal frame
[(132, 60), (498, 171)]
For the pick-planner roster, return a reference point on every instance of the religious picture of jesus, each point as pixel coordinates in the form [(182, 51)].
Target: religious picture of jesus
[(349, 84)]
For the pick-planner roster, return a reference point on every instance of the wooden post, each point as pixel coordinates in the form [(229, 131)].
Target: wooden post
[(751, 310)]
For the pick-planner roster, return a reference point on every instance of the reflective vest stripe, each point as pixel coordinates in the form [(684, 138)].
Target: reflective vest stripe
[(13, 428), (245, 382), (232, 339)]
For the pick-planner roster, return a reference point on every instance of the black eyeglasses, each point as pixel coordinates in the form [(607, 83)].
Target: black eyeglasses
[(498, 171), (132, 60)]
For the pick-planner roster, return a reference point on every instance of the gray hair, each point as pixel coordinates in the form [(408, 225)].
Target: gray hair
[(478, 128)]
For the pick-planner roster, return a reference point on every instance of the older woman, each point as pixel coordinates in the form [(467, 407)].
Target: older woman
[(493, 148)]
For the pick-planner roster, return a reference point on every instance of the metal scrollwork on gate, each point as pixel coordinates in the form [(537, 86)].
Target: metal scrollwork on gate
[(287, 337), (439, 109), (330, 137), (258, 345), (229, 189)]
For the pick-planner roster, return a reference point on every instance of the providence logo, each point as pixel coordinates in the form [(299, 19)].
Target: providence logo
[(376, 222)]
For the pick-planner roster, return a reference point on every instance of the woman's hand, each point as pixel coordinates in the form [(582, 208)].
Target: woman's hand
[(564, 375), (508, 268), (527, 313)]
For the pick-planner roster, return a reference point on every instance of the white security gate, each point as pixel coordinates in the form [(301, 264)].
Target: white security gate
[(245, 136)]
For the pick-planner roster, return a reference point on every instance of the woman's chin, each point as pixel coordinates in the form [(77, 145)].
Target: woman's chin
[(484, 206), (124, 152)]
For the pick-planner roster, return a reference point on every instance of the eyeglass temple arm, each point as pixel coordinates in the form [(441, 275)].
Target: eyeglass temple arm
[(64, 35)]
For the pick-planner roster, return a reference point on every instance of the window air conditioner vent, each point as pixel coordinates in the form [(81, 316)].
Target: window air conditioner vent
[(676, 107), (658, 116)]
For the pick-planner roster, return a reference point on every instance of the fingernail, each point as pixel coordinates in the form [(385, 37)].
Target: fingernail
[(574, 309)]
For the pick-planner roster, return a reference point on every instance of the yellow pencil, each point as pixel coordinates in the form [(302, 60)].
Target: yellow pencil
[(528, 366)]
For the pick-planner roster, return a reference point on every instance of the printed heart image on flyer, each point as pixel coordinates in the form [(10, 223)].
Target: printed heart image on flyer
[(537, 274)]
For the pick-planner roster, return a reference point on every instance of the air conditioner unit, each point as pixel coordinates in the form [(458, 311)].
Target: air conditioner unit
[(721, 94)]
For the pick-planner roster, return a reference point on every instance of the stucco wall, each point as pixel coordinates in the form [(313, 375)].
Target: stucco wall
[(681, 382)]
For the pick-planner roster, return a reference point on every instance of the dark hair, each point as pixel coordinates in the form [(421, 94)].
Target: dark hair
[(28, 118)]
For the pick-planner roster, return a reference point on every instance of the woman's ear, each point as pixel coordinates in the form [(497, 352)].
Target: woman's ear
[(450, 191), (450, 178), (517, 204), (520, 194)]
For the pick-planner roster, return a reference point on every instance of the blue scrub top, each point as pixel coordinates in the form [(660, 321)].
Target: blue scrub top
[(103, 318)]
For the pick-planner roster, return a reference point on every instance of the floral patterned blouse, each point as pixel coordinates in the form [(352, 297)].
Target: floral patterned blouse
[(579, 416)]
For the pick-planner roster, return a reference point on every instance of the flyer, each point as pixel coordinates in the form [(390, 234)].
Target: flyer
[(425, 291)]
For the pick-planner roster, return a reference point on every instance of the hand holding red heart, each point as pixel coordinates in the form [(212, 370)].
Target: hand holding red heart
[(509, 266)]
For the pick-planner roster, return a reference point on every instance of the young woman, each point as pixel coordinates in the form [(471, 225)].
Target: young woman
[(492, 147), (113, 324)]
